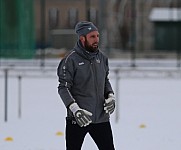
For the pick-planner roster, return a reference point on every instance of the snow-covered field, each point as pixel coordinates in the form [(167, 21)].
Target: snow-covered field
[(149, 115)]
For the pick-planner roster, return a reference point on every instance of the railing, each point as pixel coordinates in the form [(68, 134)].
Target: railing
[(118, 69)]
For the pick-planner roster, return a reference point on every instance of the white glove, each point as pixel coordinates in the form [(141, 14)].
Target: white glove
[(82, 116), (109, 104)]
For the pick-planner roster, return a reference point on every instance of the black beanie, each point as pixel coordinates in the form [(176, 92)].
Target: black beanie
[(84, 27)]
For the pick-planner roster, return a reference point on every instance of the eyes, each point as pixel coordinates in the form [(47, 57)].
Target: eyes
[(93, 35)]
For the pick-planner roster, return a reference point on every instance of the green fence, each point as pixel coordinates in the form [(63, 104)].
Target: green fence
[(17, 29)]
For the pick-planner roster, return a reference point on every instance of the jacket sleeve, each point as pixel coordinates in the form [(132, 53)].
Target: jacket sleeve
[(65, 72), (108, 88)]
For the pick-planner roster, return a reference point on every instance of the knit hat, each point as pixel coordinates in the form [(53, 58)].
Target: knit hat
[(84, 27)]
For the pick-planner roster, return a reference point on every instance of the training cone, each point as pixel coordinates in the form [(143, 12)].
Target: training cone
[(142, 126), (59, 133), (8, 139)]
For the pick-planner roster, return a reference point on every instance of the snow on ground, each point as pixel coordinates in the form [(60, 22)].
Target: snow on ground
[(149, 115)]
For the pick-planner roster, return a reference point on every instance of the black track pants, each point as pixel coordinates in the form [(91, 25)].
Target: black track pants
[(101, 133)]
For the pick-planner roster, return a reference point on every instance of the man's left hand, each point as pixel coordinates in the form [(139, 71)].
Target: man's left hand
[(109, 104)]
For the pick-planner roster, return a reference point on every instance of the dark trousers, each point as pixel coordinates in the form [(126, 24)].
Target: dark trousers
[(101, 133)]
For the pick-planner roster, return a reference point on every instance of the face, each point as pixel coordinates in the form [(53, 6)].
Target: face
[(91, 41)]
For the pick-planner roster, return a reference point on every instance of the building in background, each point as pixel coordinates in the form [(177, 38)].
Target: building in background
[(58, 18), (130, 24), (125, 26)]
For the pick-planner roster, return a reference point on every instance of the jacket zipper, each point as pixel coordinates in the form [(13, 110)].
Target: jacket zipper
[(95, 84)]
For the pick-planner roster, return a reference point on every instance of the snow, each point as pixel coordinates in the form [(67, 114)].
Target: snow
[(165, 14), (149, 115)]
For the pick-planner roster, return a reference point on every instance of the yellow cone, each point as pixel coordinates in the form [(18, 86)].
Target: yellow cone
[(59, 133), (142, 126), (8, 139)]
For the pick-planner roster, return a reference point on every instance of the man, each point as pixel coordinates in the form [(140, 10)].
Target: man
[(86, 91)]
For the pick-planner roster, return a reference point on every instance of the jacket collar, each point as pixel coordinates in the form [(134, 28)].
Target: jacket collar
[(83, 52)]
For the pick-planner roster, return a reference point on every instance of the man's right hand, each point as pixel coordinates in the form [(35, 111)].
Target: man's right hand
[(82, 116)]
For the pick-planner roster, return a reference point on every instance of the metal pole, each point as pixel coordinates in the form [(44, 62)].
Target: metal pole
[(101, 19), (117, 96), (6, 95), (42, 9), (178, 36), (133, 32), (19, 96), (87, 9), (102, 23)]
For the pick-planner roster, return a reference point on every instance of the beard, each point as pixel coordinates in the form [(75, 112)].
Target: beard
[(90, 48)]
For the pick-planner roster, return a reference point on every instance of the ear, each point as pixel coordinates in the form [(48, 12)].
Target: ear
[(82, 38)]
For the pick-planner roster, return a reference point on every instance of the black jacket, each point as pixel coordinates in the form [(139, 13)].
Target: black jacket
[(83, 78)]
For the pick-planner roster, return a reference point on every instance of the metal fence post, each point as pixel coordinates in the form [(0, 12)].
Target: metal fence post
[(43, 15), (133, 34), (87, 9), (6, 95), (179, 37), (117, 95), (19, 96)]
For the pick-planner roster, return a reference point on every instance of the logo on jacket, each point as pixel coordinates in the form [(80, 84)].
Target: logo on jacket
[(81, 63), (98, 61)]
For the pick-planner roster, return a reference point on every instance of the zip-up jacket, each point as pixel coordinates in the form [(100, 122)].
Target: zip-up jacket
[(83, 78)]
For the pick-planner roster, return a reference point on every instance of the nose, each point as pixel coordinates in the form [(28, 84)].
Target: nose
[(97, 39)]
